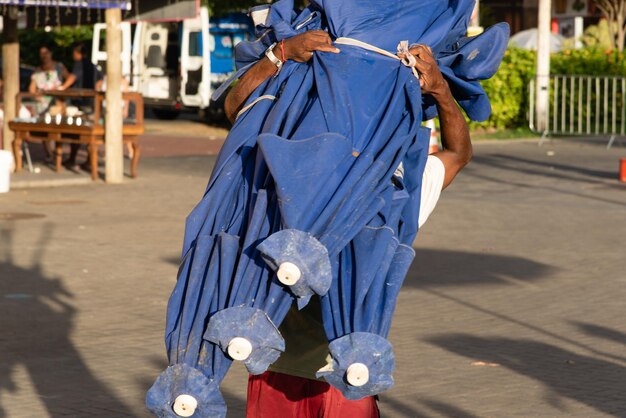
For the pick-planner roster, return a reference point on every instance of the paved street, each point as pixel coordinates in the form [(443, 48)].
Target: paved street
[(514, 307)]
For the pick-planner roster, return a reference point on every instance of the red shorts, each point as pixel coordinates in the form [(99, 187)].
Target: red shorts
[(277, 395)]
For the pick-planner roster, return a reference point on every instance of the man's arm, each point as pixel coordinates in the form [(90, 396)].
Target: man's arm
[(32, 87), (69, 78), (455, 137), (300, 48)]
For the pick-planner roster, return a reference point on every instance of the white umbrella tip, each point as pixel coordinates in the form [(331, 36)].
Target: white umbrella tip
[(288, 274), (239, 349), (185, 405), (357, 374)]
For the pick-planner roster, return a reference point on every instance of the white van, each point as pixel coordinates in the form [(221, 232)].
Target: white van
[(169, 63)]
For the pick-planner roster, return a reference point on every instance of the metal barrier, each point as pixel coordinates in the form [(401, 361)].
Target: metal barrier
[(583, 105)]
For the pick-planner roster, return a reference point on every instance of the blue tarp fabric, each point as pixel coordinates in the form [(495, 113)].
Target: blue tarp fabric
[(255, 327), (365, 348), (308, 177)]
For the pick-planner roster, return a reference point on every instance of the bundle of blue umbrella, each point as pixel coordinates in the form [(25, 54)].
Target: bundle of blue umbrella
[(307, 199)]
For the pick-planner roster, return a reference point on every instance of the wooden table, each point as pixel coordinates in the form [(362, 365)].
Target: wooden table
[(90, 133)]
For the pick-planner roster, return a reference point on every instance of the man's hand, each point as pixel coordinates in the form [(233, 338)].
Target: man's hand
[(300, 48), (455, 137), (431, 80)]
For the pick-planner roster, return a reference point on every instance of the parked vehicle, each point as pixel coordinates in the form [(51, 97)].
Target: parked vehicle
[(176, 66)]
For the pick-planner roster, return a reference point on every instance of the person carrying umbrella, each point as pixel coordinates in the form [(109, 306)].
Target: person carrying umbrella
[(316, 196), (289, 388)]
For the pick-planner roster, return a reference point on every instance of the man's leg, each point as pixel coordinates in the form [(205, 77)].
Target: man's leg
[(272, 395)]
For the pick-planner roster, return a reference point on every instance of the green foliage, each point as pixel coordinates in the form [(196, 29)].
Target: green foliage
[(62, 39), (508, 89), (597, 36), (589, 61)]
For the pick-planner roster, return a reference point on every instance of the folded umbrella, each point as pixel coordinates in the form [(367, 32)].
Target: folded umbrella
[(300, 191), (222, 279)]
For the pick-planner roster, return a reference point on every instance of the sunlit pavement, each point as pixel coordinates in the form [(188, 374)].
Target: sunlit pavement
[(514, 306)]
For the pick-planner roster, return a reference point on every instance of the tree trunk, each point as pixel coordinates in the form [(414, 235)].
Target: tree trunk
[(619, 25), (607, 7), (620, 33)]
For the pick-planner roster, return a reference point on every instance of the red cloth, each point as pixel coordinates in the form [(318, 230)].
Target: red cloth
[(273, 395)]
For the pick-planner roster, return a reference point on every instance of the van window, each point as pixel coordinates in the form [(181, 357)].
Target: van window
[(195, 44)]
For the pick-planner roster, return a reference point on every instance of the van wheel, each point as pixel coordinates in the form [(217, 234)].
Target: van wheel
[(166, 114)]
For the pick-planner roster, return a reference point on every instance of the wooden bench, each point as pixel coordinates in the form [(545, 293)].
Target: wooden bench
[(90, 131)]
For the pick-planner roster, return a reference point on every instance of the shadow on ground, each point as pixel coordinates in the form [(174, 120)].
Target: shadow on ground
[(420, 408), (564, 374), (601, 332), (540, 170), (551, 169), (433, 268), (37, 322)]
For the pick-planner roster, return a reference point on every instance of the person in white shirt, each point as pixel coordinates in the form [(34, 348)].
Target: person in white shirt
[(289, 389)]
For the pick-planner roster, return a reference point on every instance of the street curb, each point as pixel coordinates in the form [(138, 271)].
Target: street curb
[(33, 184)]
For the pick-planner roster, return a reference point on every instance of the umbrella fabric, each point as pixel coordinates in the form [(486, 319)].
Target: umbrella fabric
[(305, 175), (333, 196), (222, 270)]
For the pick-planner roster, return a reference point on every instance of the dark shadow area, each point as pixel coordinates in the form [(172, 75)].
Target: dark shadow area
[(399, 408), (173, 260), (528, 185), (447, 410), (37, 317), (433, 268), (541, 168), (418, 410), (597, 383), (549, 165), (604, 333), (512, 320)]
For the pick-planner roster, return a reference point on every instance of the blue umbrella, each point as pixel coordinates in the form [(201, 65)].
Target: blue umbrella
[(300, 189), (345, 180), (359, 307), (222, 281)]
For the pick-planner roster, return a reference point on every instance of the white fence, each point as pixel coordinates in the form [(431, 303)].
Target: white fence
[(583, 105)]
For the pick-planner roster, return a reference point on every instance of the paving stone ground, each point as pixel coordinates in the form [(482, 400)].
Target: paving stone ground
[(514, 307)]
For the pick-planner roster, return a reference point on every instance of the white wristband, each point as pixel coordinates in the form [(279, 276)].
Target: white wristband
[(273, 58)]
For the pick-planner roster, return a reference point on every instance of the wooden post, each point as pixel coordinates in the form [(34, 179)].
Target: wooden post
[(543, 66), (11, 75), (113, 145)]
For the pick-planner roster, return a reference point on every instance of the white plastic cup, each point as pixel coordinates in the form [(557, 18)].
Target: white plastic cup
[(6, 166)]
